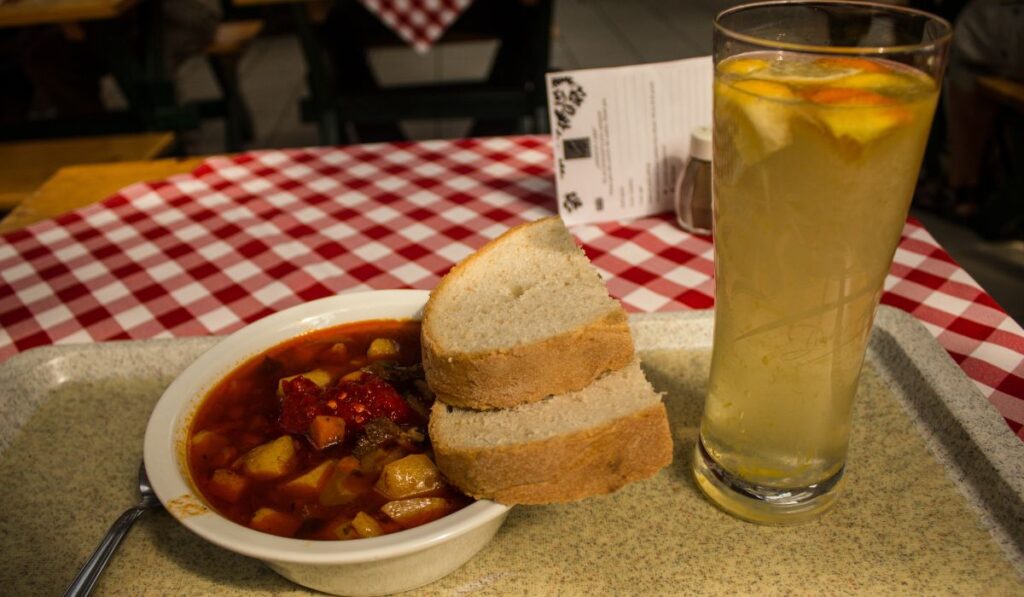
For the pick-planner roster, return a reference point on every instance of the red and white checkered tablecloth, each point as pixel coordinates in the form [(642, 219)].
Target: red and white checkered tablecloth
[(418, 22), (246, 236)]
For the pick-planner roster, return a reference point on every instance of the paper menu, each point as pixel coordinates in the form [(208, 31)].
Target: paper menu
[(621, 135)]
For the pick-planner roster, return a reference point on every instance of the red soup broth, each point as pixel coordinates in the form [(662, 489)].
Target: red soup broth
[(338, 450)]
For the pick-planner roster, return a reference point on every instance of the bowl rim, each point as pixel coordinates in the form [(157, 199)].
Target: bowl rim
[(175, 408)]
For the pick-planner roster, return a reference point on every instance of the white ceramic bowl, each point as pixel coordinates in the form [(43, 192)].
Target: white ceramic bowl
[(386, 564)]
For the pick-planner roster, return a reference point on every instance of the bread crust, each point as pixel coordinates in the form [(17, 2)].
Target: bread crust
[(522, 374), (527, 373), (565, 468)]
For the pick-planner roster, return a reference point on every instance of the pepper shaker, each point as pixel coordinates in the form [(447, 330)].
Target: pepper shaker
[(693, 188)]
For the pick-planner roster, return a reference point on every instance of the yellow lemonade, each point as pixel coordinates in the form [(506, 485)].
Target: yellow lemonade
[(815, 163)]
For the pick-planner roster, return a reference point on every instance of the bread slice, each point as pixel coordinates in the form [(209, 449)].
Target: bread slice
[(564, 448), (525, 317)]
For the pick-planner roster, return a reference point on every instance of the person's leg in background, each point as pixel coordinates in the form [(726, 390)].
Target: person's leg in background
[(988, 39)]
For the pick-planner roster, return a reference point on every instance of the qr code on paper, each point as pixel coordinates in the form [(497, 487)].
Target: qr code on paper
[(574, 149)]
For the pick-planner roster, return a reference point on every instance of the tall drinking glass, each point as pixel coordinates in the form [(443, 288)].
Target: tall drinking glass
[(821, 115)]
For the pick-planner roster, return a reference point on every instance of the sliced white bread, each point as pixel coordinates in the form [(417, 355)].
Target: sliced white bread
[(564, 448), (525, 317)]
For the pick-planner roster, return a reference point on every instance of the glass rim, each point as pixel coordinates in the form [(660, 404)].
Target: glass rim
[(938, 42)]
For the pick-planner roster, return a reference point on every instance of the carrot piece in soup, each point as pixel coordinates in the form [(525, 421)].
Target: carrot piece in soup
[(348, 464), (326, 431)]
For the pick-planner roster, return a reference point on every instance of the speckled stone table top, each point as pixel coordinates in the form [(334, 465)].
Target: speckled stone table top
[(916, 516)]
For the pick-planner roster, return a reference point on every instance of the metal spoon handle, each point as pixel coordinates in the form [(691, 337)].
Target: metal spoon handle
[(90, 572)]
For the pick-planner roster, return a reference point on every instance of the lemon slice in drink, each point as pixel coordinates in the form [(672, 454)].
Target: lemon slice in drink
[(743, 66), (863, 126), (765, 104), (857, 114), (875, 82), (800, 73), (768, 89), (852, 63)]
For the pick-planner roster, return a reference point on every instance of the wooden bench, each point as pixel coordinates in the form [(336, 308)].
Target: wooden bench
[(25, 165), (77, 186)]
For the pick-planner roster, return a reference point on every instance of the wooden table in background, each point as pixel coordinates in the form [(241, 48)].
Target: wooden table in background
[(27, 164), (77, 186), (39, 12)]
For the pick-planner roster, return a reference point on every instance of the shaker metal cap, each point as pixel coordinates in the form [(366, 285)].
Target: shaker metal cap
[(700, 143)]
